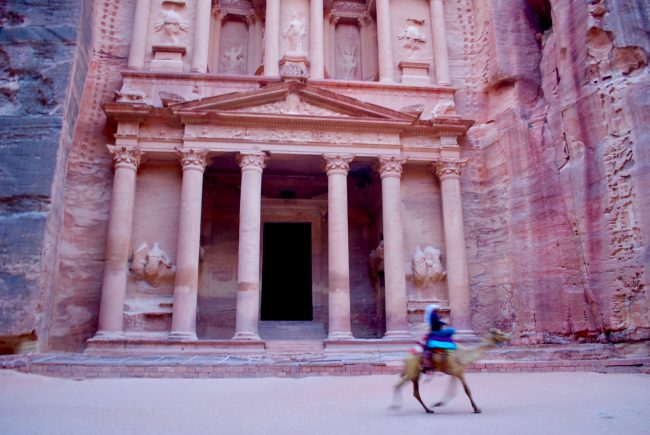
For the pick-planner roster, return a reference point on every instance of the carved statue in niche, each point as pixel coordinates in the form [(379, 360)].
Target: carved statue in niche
[(152, 265), (412, 36), (172, 25), (232, 60), (377, 260), (348, 57), (295, 35), (427, 267)]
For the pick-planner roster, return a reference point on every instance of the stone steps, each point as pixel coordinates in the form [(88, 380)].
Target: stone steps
[(290, 347), (292, 330)]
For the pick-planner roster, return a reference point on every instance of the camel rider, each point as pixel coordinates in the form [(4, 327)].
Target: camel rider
[(439, 341)]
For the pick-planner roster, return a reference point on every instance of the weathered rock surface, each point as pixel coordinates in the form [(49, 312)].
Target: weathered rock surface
[(42, 73)]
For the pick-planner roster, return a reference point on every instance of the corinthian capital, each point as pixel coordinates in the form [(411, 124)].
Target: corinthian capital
[(253, 161), (191, 159), (337, 163), (124, 157), (390, 166), (449, 168)]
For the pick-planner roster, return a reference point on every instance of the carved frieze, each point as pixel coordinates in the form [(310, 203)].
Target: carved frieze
[(337, 163), (291, 106)]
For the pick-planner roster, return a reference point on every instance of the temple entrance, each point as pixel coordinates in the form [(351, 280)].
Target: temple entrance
[(286, 272)]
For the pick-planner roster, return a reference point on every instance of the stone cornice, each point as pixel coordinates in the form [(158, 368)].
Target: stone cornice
[(337, 163)]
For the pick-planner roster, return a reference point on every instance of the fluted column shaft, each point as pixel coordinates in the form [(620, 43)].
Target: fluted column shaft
[(385, 52), (390, 170), (272, 39), (316, 50), (120, 220), (189, 244), (440, 53), (139, 37), (448, 171), (201, 36), (248, 266), (337, 167)]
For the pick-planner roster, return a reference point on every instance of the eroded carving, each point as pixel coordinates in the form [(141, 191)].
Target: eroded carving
[(449, 168), (348, 56), (232, 60), (292, 105), (152, 265), (172, 25), (130, 95), (193, 159), (426, 266), (444, 108), (412, 36), (377, 260), (390, 166), (125, 157), (337, 163), (255, 161), (295, 34)]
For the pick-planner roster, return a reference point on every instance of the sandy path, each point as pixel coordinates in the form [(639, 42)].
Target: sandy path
[(512, 403)]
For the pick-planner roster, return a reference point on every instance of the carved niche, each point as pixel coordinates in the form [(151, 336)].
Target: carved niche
[(152, 265)]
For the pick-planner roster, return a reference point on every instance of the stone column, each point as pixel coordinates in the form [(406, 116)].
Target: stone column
[(334, 19), (215, 52), (448, 171), (337, 167), (390, 170), (272, 39), (316, 51), (385, 50), (366, 45), (111, 311), (251, 21), (248, 267), (189, 244), (139, 37), (201, 36), (440, 54)]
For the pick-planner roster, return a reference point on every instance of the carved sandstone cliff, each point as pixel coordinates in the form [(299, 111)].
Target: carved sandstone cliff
[(558, 226)]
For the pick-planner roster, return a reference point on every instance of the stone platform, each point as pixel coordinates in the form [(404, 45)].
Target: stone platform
[(273, 362)]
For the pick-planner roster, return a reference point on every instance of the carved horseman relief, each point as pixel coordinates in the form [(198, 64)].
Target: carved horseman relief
[(172, 25), (152, 265), (426, 266), (412, 36)]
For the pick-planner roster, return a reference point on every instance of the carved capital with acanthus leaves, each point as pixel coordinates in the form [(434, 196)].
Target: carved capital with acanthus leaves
[(390, 166), (449, 168), (252, 161), (195, 160), (125, 157), (337, 163)]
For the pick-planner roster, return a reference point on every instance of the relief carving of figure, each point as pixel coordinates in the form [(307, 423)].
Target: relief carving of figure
[(172, 24), (296, 34), (377, 259), (427, 267), (232, 60), (412, 37), (152, 265), (348, 56)]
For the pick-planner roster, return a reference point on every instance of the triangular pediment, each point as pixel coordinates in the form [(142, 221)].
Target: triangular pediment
[(291, 99)]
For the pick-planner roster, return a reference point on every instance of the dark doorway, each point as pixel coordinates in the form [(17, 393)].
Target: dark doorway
[(286, 272)]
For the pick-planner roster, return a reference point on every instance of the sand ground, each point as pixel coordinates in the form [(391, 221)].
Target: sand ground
[(512, 403)]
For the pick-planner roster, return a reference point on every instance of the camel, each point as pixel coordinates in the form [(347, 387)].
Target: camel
[(452, 363)]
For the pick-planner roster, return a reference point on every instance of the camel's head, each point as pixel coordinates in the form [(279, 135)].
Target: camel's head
[(497, 337)]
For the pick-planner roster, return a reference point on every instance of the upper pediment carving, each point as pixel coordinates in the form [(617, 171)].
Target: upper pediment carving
[(291, 99)]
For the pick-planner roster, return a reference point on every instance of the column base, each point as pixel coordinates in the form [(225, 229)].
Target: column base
[(340, 336), (179, 335), (397, 335), (246, 336), (108, 335)]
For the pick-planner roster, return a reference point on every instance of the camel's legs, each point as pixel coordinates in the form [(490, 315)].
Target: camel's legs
[(451, 387), (416, 394), (397, 402), (468, 392)]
